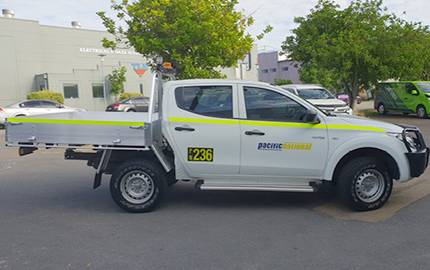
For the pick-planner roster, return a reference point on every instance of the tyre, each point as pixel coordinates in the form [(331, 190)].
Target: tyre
[(131, 110), (381, 109), (138, 185), (364, 184), (421, 112)]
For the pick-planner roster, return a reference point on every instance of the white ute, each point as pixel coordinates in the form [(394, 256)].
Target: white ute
[(230, 135)]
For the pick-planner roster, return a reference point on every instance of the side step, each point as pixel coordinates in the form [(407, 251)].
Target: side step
[(244, 187)]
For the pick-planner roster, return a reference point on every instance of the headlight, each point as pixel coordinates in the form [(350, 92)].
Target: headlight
[(412, 139), (412, 144)]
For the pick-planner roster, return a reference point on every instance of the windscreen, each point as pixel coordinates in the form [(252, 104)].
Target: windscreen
[(314, 93), (424, 86)]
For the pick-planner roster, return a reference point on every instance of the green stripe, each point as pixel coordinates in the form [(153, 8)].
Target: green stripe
[(274, 124), (74, 122)]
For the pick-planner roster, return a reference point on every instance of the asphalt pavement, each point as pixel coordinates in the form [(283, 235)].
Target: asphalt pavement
[(52, 219)]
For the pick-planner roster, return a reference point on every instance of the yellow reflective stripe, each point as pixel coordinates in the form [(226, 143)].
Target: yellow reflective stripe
[(204, 121), (74, 122), (273, 124), (350, 127)]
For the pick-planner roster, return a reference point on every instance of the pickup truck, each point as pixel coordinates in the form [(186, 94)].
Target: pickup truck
[(229, 135)]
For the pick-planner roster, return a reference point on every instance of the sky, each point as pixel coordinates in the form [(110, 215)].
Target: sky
[(277, 13)]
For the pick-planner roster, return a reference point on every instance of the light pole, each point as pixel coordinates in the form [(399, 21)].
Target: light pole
[(102, 59)]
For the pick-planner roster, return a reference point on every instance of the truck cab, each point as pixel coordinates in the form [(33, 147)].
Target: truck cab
[(231, 135)]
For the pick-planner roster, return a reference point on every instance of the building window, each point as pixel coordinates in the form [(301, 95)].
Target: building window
[(273, 70), (285, 68), (70, 90), (98, 90), (265, 71)]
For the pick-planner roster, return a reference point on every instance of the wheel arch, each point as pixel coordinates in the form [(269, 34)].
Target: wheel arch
[(379, 154)]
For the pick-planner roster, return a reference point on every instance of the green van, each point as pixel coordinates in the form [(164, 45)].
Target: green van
[(406, 97)]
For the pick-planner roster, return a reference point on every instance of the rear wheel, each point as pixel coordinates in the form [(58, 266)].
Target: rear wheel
[(364, 184), (381, 109), (421, 112), (131, 110), (138, 185)]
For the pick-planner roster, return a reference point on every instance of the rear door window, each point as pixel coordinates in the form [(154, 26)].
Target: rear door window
[(214, 101), (48, 104)]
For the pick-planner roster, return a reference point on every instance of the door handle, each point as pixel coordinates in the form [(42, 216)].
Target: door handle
[(255, 133), (136, 127), (184, 129)]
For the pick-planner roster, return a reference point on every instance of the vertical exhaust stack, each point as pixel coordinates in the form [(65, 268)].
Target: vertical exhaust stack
[(8, 13), (76, 24)]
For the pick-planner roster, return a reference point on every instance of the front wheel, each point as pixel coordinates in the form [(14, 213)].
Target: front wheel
[(421, 112), (381, 109), (364, 184), (138, 185)]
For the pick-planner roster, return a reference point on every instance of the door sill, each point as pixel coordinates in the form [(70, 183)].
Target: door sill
[(247, 187)]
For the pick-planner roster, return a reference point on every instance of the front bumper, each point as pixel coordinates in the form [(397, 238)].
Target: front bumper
[(418, 162), (419, 158)]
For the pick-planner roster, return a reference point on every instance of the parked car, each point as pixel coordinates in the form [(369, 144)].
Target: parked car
[(344, 97), (34, 107), (137, 104), (320, 97), (405, 97)]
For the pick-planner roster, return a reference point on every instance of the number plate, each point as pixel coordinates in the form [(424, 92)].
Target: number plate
[(199, 154)]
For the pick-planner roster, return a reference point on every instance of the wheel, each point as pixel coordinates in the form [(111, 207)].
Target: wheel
[(381, 109), (20, 115), (364, 184), (138, 185), (131, 110), (421, 112)]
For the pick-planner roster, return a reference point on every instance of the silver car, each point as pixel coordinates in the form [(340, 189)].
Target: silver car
[(33, 107)]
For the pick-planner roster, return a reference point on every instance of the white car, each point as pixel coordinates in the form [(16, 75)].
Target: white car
[(320, 97), (33, 107), (230, 135)]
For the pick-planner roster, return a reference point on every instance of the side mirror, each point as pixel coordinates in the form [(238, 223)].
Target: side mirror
[(311, 117), (414, 92)]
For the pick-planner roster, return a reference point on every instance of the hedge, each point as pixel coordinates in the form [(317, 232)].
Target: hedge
[(46, 94), (127, 95)]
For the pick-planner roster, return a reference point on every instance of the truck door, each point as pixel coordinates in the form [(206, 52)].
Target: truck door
[(275, 140), (204, 129)]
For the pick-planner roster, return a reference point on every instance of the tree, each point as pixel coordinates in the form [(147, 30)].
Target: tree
[(198, 36), (357, 46), (117, 80), (47, 94), (282, 82)]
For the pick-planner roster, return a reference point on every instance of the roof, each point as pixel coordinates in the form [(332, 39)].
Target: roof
[(217, 81)]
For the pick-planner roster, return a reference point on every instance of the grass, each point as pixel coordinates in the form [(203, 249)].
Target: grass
[(367, 113)]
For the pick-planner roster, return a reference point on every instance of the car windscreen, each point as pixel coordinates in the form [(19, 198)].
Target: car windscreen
[(424, 86), (314, 93)]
